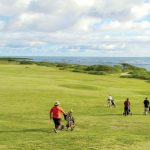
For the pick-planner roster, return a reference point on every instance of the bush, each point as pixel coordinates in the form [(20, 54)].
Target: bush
[(61, 65), (62, 68), (141, 74), (118, 68), (97, 72), (47, 64), (26, 62)]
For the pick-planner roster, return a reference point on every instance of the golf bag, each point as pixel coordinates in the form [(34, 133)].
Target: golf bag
[(70, 120)]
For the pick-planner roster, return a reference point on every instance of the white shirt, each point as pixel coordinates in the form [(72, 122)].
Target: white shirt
[(110, 97)]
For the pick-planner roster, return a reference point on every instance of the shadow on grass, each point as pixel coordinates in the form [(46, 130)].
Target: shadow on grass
[(28, 130), (121, 114), (110, 114)]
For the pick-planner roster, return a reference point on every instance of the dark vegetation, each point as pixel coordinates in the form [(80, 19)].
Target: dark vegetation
[(129, 71), (13, 59)]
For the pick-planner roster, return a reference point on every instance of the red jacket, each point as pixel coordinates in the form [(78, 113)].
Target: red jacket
[(56, 112)]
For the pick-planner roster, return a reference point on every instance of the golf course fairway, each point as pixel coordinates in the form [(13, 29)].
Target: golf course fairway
[(27, 92)]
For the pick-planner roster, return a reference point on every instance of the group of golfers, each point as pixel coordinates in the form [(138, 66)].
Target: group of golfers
[(127, 104), (56, 111)]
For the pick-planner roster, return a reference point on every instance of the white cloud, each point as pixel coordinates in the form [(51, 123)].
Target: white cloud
[(107, 37), (93, 25), (127, 26), (140, 11), (109, 46), (85, 3), (56, 15), (13, 7)]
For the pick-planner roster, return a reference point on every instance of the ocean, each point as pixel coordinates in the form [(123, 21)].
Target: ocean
[(137, 61)]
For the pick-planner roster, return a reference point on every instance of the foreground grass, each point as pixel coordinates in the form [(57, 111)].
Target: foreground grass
[(28, 92)]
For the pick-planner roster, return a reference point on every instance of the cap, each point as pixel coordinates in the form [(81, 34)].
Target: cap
[(57, 103)]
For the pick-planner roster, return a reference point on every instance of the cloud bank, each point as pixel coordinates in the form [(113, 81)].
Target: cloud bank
[(75, 27)]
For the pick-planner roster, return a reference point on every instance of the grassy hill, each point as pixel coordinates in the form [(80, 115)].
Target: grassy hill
[(27, 92)]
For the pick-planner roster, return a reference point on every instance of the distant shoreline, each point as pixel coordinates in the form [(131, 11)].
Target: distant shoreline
[(136, 61), (125, 70)]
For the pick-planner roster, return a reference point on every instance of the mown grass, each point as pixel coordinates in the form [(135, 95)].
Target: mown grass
[(28, 91), (125, 70)]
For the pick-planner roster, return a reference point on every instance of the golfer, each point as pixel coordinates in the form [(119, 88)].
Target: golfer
[(146, 106), (55, 113)]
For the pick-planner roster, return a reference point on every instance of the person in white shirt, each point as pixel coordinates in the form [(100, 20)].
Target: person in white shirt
[(111, 101), (110, 98)]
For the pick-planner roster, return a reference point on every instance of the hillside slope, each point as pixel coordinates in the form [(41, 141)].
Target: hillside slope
[(28, 91)]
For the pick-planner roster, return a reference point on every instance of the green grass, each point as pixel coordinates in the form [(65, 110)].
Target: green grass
[(28, 91)]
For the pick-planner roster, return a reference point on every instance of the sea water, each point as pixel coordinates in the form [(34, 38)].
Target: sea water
[(137, 61)]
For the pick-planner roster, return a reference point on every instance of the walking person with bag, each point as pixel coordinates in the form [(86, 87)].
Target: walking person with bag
[(55, 114), (146, 106)]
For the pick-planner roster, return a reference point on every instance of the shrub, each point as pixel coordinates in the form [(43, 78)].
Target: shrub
[(141, 74), (99, 68), (61, 68), (97, 72), (61, 65), (26, 62)]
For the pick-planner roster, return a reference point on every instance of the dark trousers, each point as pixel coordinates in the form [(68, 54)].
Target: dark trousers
[(57, 122), (127, 110)]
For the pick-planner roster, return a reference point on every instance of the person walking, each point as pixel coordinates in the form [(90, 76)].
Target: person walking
[(127, 107), (55, 114), (146, 105), (111, 101), (110, 98)]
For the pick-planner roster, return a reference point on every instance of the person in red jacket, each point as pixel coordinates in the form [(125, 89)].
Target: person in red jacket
[(55, 113)]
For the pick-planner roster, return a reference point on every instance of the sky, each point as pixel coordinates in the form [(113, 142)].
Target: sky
[(102, 28)]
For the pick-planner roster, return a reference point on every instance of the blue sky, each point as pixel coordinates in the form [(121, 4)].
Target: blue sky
[(75, 28)]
